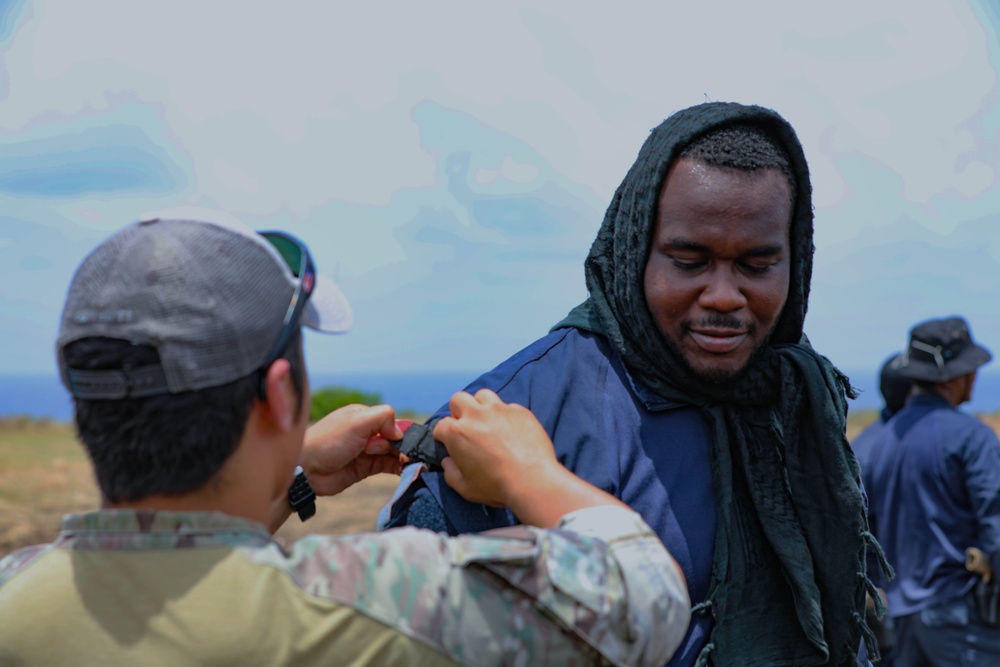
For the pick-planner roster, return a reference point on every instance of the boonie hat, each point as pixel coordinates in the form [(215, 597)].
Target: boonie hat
[(212, 296), (940, 350)]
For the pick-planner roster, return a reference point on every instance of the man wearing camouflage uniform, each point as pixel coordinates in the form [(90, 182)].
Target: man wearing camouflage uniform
[(180, 342)]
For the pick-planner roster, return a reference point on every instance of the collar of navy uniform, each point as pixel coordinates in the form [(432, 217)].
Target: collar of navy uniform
[(650, 399)]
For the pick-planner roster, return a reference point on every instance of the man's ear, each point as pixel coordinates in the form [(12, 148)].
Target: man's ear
[(279, 408)]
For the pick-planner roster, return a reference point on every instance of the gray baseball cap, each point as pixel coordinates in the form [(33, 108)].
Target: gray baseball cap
[(210, 295)]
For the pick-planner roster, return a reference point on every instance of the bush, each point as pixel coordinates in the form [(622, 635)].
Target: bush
[(326, 400)]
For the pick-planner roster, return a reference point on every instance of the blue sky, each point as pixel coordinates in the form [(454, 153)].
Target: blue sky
[(450, 162)]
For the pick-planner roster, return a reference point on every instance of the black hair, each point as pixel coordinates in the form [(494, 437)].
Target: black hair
[(743, 147), (169, 444), (894, 387)]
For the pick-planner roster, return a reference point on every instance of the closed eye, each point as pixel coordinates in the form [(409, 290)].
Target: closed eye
[(688, 265), (757, 269)]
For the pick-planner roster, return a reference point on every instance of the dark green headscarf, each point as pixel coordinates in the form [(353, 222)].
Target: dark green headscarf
[(788, 577)]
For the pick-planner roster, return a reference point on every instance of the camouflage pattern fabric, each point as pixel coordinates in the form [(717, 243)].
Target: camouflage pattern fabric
[(599, 590)]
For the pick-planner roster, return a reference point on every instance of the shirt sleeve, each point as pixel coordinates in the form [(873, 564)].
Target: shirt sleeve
[(657, 606), (599, 589), (982, 482)]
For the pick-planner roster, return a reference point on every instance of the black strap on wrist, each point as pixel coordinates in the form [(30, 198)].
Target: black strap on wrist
[(301, 496)]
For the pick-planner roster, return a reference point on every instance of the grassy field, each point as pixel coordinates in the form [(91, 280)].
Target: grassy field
[(44, 474)]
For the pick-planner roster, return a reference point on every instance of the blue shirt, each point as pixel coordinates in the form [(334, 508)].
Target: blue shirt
[(933, 483), (862, 446), (864, 441), (613, 432)]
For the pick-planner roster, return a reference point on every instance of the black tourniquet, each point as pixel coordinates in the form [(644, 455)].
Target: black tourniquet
[(419, 444)]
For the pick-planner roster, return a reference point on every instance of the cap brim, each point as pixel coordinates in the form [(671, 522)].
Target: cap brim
[(979, 355), (968, 361), (328, 309)]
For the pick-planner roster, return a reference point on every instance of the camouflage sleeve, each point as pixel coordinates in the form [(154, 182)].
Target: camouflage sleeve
[(654, 608), (601, 589), (19, 560)]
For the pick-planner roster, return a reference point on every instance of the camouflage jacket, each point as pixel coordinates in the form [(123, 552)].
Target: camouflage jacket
[(143, 587)]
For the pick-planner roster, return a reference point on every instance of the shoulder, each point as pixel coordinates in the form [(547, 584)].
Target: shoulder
[(17, 562), (956, 433), (865, 442), (422, 584), (955, 422), (558, 349), (565, 360), (979, 430), (344, 567), (551, 594)]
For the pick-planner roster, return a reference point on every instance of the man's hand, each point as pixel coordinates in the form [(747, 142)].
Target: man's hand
[(348, 445), (500, 455), (492, 447)]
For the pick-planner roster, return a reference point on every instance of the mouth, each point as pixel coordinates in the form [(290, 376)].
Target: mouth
[(718, 341)]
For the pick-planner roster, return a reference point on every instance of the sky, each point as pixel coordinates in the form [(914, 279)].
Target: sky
[(449, 163)]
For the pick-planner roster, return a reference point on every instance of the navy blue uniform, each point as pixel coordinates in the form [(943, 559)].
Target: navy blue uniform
[(933, 483), (615, 433)]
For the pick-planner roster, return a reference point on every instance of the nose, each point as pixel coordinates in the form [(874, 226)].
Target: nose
[(722, 293)]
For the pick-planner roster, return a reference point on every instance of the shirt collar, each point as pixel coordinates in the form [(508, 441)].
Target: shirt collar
[(649, 398), (157, 521)]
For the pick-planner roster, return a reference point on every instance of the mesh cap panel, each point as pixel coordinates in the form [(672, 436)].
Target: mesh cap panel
[(210, 298)]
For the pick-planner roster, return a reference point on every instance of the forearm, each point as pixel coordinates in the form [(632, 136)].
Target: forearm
[(543, 498), (601, 582)]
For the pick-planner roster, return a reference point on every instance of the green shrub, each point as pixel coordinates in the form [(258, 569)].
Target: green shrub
[(326, 400)]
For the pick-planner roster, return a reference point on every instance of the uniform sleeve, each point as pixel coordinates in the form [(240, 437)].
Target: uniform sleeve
[(656, 607), (19, 560), (600, 589), (560, 378), (982, 481)]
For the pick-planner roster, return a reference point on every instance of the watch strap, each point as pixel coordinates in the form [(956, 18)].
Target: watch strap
[(301, 496)]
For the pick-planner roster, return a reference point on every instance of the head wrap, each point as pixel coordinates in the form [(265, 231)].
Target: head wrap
[(788, 577)]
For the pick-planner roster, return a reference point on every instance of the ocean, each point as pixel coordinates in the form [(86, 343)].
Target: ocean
[(422, 393), (43, 396)]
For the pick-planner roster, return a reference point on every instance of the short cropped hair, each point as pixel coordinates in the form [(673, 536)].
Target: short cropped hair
[(926, 386), (169, 444), (894, 386), (743, 147)]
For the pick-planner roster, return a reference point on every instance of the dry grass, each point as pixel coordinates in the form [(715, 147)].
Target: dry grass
[(858, 420), (44, 473)]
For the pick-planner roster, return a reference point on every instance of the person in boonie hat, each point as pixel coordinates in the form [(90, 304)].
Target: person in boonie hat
[(933, 484), (181, 345)]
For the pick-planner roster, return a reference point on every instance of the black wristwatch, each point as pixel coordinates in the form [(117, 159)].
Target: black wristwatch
[(301, 496)]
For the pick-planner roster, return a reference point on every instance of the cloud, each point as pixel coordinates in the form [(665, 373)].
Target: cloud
[(866, 295), (107, 160), (108, 153), (470, 268), (10, 14), (36, 263), (449, 162)]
